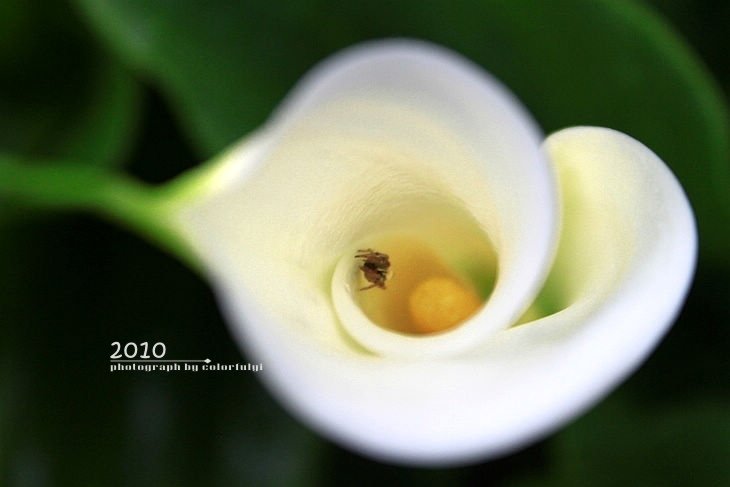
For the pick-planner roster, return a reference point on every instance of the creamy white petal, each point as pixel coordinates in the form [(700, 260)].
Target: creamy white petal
[(368, 139)]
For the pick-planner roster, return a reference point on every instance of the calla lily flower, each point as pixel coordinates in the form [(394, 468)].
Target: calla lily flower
[(526, 276)]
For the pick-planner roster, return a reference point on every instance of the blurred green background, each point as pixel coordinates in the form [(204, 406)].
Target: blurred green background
[(152, 87)]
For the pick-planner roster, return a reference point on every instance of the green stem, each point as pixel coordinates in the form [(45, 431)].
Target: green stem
[(74, 186)]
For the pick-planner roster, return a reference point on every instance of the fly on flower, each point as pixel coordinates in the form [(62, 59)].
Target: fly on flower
[(375, 267)]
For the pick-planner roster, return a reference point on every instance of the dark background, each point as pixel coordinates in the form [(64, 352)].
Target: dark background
[(155, 87)]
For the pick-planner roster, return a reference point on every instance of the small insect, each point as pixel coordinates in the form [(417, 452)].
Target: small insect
[(375, 267)]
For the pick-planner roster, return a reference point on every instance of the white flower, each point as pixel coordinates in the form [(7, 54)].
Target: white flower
[(410, 150)]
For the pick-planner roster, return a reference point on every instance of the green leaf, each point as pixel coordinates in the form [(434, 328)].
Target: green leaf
[(224, 66), (60, 96), (704, 24), (687, 444)]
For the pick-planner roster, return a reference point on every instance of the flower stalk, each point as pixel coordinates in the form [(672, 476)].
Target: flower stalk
[(75, 186)]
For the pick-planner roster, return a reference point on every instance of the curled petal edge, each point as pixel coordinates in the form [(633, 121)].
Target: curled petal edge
[(624, 263)]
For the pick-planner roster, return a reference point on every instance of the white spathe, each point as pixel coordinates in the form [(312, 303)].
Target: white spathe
[(403, 136)]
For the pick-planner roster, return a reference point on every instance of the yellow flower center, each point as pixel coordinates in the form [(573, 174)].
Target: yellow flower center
[(439, 303), (426, 291)]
